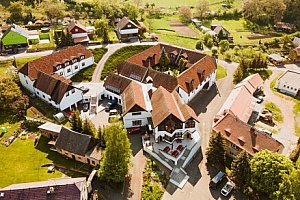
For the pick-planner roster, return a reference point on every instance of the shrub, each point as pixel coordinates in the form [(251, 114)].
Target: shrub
[(295, 153), (98, 53), (120, 56), (214, 51), (228, 56), (199, 45), (44, 36), (210, 43), (236, 50), (31, 125)]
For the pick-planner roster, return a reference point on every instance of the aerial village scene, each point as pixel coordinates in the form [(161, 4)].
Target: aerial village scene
[(149, 100)]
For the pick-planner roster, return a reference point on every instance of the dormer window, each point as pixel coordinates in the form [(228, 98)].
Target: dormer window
[(82, 57), (129, 25), (74, 60), (58, 67), (67, 63)]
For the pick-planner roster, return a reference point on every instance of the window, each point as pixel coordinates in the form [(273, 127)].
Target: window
[(76, 67), (73, 90), (178, 135), (137, 123), (284, 85), (82, 57), (190, 124), (76, 29), (37, 92), (49, 98), (292, 88), (235, 147), (24, 75), (43, 96), (67, 94), (66, 64), (136, 113), (83, 64), (129, 25), (93, 162), (288, 87), (69, 70), (26, 82), (61, 73)]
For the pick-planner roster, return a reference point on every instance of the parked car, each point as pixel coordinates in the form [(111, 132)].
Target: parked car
[(84, 89), (111, 104), (260, 99), (113, 112), (228, 187), (85, 107), (216, 180), (265, 131)]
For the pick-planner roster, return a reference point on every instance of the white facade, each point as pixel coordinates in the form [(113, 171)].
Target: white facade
[(136, 119), (289, 83), (79, 35), (286, 88), (26, 82), (70, 98), (111, 96), (74, 68), (188, 97), (129, 31)]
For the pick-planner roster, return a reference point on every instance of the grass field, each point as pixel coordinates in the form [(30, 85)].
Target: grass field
[(276, 111), (120, 56), (221, 72)]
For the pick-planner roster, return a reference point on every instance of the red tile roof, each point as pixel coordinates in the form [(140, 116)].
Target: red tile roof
[(194, 75), (46, 64), (124, 21), (165, 104), (115, 81), (252, 83), (133, 96), (245, 136)]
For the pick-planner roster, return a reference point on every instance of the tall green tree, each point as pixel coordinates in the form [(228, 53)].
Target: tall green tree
[(202, 8), (216, 150), (74, 120), (19, 12), (88, 128), (241, 171), (164, 60), (115, 162), (11, 97), (224, 46), (268, 170), (54, 8), (102, 29)]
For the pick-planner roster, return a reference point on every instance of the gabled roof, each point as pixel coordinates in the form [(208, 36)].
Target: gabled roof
[(54, 85), (74, 142), (165, 104), (50, 127), (73, 24), (162, 79), (124, 21), (245, 136), (132, 70), (133, 96), (47, 64), (117, 82), (290, 78), (218, 29), (207, 65), (64, 188), (252, 83)]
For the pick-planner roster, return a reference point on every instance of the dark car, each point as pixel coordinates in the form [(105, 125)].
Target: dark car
[(85, 107), (111, 104), (216, 180)]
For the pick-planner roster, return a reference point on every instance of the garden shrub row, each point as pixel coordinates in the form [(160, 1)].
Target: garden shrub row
[(120, 56), (98, 53)]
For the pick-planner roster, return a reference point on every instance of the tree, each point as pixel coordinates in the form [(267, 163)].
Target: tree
[(164, 60), (131, 10), (286, 41), (202, 8), (74, 120), (102, 28), (268, 170), (224, 46), (264, 12), (216, 150), (56, 39), (289, 189), (19, 12), (185, 13), (69, 40), (88, 128), (54, 9), (214, 51), (210, 43), (115, 162), (199, 45), (291, 14), (241, 171), (11, 97), (238, 75)]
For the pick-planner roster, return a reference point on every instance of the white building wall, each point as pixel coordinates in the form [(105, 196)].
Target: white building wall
[(71, 99), (79, 35), (84, 193), (111, 96), (188, 97), (26, 82), (128, 118), (45, 97), (283, 87)]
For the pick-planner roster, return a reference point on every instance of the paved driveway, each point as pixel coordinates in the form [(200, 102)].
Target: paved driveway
[(206, 105), (286, 134)]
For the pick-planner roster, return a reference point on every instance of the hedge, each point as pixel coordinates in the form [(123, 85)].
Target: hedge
[(98, 53), (44, 36), (120, 56)]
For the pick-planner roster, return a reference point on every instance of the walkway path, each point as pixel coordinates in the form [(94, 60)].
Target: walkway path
[(286, 134)]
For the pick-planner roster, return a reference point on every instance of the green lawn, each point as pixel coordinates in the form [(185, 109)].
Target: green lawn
[(21, 162), (221, 72), (276, 111), (120, 56)]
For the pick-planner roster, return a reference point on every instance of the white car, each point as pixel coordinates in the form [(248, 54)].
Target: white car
[(228, 187), (265, 131)]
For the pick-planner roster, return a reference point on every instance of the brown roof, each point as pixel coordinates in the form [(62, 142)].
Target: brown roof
[(117, 82), (133, 96), (191, 78), (165, 104), (132, 70), (46, 64), (64, 188), (81, 39), (245, 136), (162, 79), (54, 85), (124, 21), (74, 24), (252, 83)]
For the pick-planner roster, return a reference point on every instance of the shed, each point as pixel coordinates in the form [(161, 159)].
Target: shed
[(276, 59), (50, 130)]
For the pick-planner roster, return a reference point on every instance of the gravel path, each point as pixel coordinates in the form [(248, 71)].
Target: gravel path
[(286, 134)]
